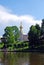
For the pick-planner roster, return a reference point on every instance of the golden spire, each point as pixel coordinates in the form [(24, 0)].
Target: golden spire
[(21, 27)]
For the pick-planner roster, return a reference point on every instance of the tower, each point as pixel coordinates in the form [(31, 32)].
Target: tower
[(21, 27), (21, 32)]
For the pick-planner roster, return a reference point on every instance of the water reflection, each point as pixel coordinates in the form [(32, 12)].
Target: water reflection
[(20, 58)]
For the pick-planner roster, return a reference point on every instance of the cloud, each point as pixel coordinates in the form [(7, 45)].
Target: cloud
[(7, 18)]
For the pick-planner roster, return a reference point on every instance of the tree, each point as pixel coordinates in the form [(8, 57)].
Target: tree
[(34, 34), (38, 29), (42, 27), (11, 34)]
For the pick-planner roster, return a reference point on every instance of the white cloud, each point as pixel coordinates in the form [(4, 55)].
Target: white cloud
[(6, 18), (30, 19)]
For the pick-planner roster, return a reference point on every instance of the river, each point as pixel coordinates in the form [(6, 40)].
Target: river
[(21, 58)]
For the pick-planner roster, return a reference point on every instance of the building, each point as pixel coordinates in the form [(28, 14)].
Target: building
[(22, 36)]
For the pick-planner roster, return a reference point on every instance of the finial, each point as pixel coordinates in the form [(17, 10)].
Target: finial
[(21, 26)]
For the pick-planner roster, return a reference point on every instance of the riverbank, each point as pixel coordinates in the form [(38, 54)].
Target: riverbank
[(26, 50)]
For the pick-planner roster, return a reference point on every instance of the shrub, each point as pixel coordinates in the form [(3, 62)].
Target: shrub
[(1, 45)]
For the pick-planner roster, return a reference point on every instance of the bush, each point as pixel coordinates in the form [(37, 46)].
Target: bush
[(1, 45), (10, 48)]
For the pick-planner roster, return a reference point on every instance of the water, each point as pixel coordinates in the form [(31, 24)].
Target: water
[(21, 58)]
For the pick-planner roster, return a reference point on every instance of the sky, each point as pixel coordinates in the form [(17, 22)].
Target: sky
[(13, 12)]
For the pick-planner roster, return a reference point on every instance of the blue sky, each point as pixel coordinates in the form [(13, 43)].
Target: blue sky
[(12, 12)]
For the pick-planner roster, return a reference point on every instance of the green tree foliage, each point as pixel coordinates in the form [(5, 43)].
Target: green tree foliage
[(11, 34), (42, 27), (34, 34), (1, 45), (38, 29)]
